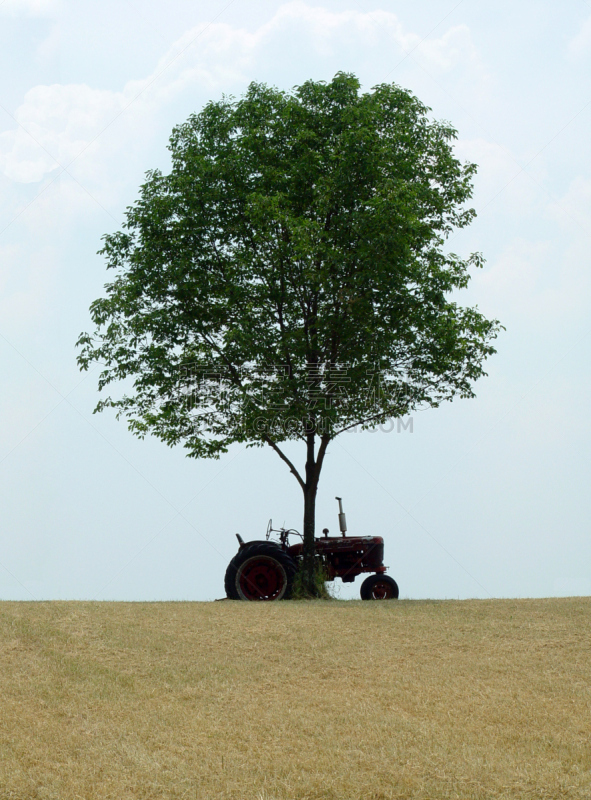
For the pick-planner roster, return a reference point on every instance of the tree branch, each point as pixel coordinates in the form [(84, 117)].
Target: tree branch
[(321, 453), (282, 455), (376, 417)]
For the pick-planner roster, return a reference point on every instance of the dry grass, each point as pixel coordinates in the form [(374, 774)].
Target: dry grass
[(286, 701)]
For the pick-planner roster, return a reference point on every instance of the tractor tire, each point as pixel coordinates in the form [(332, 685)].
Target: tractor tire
[(379, 587), (260, 571), (230, 578)]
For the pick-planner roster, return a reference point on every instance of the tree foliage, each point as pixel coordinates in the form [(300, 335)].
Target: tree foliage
[(288, 278)]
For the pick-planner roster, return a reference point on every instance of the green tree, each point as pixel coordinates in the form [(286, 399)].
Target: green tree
[(287, 280)]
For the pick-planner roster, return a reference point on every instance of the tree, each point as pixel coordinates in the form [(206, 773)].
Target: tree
[(287, 280)]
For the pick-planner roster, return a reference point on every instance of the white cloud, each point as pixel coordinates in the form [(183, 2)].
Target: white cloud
[(59, 122), (454, 48), (56, 124)]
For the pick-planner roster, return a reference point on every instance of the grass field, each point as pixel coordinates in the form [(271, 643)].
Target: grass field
[(294, 701)]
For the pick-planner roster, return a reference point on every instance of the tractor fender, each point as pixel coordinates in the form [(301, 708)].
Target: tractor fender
[(244, 544)]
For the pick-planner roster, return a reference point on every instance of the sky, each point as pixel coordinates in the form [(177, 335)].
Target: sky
[(486, 497)]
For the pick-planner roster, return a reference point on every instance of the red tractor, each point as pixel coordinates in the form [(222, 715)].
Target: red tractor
[(265, 570)]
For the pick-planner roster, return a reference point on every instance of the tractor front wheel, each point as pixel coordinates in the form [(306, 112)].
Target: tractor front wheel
[(261, 571), (379, 587)]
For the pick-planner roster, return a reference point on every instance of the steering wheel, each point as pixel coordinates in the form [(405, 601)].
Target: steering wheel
[(269, 528)]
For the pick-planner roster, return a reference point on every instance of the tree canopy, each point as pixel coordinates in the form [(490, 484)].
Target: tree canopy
[(288, 278)]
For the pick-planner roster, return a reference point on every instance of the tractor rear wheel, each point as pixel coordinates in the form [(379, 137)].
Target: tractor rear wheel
[(379, 587), (260, 571)]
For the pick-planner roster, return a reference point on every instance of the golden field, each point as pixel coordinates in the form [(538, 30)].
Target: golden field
[(296, 700)]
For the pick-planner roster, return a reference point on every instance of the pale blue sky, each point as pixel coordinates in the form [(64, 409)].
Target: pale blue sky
[(487, 497)]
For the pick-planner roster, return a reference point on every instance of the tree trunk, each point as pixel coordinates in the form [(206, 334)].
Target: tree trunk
[(309, 582), (310, 488)]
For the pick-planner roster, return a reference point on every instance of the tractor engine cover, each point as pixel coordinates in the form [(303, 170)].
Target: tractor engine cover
[(347, 556)]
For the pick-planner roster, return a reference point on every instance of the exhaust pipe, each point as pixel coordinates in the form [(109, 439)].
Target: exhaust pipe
[(342, 518)]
